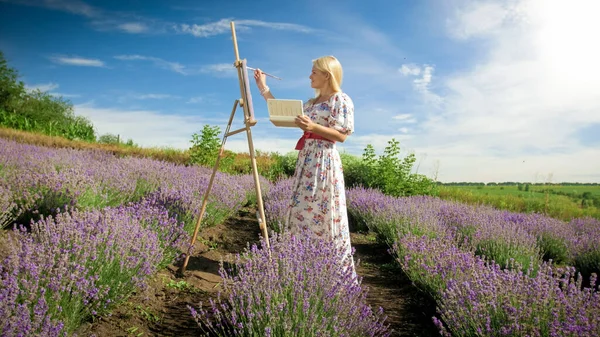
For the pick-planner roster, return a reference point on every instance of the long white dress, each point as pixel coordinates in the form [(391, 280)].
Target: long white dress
[(319, 198)]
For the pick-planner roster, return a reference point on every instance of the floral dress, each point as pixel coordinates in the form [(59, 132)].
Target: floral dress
[(318, 201)]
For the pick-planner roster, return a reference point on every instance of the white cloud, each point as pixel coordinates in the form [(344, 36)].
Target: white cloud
[(48, 88), (150, 128), (224, 26), (422, 84), (196, 99), (77, 61), (42, 87), (70, 6), (172, 66), (478, 19), (153, 96), (220, 69), (514, 113), (405, 118), (64, 95), (145, 127), (133, 27), (410, 69)]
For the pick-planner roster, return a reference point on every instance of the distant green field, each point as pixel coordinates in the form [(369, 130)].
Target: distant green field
[(561, 201), (535, 191)]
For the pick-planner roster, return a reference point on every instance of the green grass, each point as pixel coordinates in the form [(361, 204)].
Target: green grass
[(560, 201)]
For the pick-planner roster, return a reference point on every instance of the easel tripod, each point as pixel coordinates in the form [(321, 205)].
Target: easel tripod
[(246, 103)]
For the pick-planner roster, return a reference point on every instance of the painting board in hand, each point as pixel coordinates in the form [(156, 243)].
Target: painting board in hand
[(283, 112)]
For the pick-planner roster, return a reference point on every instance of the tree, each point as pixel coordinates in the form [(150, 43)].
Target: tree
[(38, 111), (11, 89)]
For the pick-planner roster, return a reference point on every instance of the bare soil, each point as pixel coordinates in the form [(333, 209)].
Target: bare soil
[(161, 309)]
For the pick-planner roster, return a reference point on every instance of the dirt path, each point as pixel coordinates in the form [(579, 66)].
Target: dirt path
[(409, 313), (162, 309)]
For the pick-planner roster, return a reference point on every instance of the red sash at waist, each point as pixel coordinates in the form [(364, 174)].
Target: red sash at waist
[(309, 135)]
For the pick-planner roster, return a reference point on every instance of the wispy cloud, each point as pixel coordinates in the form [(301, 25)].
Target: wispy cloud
[(410, 69), (421, 84), (172, 66), (154, 96), (48, 88), (99, 19), (59, 94), (207, 99), (77, 61), (42, 87), (196, 99), (405, 118), (223, 26), (219, 69), (478, 19), (105, 20), (133, 27), (70, 6)]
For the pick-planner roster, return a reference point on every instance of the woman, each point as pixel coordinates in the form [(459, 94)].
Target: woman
[(319, 198)]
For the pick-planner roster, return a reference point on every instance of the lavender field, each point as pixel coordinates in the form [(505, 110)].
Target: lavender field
[(86, 229), (490, 272)]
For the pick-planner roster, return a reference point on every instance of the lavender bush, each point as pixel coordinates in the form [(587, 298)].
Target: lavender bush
[(497, 302), (79, 264), (478, 298), (182, 192), (48, 179), (300, 289), (276, 203), (246, 181), (389, 216), (585, 245), (431, 262), (553, 235)]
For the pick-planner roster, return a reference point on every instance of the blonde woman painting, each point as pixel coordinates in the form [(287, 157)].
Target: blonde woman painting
[(318, 201)]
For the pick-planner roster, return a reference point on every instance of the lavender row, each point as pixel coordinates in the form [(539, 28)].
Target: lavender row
[(499, 235), (297, 287), (82, 263), (448, 250), (39, 180), (476, 297)]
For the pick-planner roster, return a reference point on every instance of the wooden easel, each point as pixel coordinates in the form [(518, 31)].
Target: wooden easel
[(246, 103)]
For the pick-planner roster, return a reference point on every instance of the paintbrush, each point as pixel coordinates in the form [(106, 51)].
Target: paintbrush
[(264, 73)]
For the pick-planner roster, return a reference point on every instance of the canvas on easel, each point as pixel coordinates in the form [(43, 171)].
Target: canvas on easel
[(248, 108), (283, 112)]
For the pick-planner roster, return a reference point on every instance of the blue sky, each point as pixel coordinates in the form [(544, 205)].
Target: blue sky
[(493, 90)]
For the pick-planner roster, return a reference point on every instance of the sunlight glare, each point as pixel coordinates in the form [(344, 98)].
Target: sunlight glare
[(566, 38)]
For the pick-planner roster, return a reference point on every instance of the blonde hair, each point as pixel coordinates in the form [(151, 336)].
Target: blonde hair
[(330, 65)]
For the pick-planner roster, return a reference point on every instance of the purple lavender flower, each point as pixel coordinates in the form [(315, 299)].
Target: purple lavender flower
[(276, 203), (298, 287), (79, 264)]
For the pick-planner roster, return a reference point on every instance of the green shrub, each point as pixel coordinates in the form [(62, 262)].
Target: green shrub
[(392, 175)]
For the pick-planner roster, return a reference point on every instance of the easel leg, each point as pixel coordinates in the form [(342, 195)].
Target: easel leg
[(181, 270), (259, 200)]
